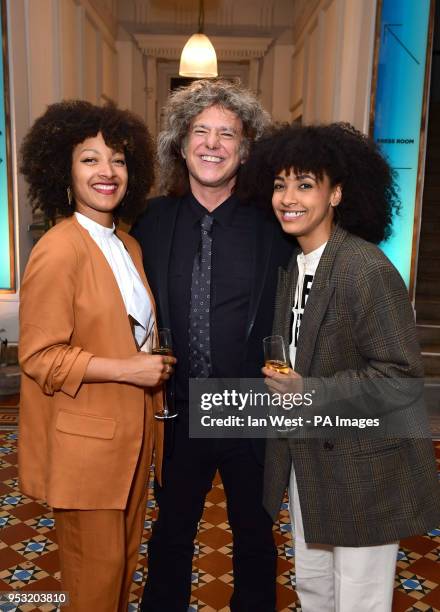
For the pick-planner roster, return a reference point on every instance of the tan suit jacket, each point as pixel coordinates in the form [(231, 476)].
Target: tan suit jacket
[(79, 443)]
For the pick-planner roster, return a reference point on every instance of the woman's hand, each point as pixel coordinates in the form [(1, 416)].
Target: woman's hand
[(142, 369), (292, 382), (145, 370)]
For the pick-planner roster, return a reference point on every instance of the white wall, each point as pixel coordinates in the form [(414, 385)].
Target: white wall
[(267, 69), (281, 80), (332, 61), (132, 75)]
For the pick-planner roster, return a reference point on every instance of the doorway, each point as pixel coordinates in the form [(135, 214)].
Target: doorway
[(428, 271)]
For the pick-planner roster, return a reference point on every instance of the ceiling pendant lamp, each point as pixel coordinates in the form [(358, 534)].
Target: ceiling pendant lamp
[(198, 58)]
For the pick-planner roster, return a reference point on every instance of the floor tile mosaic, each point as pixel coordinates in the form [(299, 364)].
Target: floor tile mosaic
[(29, 559), (9, 412)]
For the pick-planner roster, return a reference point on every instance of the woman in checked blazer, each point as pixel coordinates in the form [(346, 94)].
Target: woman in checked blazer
[(88, 394), (344, 312)]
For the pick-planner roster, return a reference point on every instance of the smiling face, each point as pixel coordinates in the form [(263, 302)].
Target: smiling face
[(212, 149), (304, 206), (99, 179)]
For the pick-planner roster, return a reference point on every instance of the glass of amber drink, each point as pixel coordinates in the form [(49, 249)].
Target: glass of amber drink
[(275, 354), (164, 344)]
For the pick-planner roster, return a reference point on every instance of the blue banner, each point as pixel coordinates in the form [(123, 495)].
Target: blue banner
[(5, 237), (398, 111)]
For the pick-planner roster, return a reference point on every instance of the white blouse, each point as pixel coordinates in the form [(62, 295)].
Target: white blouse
[(136, 299)]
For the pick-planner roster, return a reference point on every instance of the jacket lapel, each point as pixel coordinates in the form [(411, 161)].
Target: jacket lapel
[(317, 302), (264, 235), (287, 280), (165, 223), (100, 262), (310, 324)]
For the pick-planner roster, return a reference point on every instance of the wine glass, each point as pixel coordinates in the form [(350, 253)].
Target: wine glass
[(275, 354), (164, 346), (275, 358)]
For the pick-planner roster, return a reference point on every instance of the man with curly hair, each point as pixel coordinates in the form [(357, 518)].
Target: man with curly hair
[(201, 235)]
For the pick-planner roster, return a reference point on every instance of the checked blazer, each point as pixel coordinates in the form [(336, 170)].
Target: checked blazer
[(358, 325)]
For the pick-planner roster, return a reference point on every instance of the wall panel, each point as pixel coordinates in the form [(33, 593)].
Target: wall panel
[(282, 77), (43, 76), (90, 68), (69, 50), (297, 80), (328, 61), (311, 75), (333, 49), (139, 105), (109, 71)]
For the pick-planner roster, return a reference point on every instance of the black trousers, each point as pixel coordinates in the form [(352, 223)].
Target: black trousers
[(188, 473)]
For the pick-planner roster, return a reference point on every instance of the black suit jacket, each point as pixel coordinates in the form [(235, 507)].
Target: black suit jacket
[(154, 231)]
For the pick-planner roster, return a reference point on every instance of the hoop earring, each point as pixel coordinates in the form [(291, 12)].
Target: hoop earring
[(69, 197)]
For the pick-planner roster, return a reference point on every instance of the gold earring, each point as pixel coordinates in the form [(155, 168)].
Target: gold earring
[(69, 196)]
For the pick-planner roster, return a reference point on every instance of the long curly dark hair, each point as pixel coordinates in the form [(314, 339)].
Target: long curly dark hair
[(46, 154), (348, 157)]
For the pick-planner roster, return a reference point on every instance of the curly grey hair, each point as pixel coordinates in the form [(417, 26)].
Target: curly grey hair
[(186, 103)]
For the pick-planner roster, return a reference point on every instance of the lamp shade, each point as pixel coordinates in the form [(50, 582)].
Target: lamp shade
[(198, 58)]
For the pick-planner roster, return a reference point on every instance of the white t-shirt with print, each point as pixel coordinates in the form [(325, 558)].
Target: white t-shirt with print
[(307, 265)]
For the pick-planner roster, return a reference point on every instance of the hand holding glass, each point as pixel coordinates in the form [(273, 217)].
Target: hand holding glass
[(164, 346)]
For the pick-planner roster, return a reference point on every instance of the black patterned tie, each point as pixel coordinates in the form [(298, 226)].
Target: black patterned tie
[(199, 330)]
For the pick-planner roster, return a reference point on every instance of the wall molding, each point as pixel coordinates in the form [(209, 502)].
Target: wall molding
[(228, 49), (107, 27)]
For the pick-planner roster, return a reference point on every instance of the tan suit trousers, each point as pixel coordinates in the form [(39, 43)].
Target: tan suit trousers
[(98, 549)]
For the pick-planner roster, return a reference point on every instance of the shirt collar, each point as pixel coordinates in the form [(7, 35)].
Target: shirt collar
[(313, 256), (222, 215), (92, 226)]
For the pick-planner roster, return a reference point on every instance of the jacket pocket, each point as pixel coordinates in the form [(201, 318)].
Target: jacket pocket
[(85, 425)]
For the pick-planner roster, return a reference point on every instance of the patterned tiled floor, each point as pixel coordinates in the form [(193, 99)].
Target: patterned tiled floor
[(9, 412), (28, 555)]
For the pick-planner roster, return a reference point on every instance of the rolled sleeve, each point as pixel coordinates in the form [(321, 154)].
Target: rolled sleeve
[(74, 378), (47, 317)]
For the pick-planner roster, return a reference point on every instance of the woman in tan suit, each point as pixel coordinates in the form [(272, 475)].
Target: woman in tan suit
[(87, 318)]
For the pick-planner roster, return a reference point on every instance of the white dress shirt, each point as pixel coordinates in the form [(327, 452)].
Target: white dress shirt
[(136, 299)]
